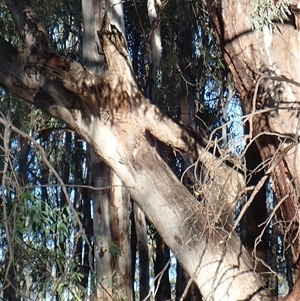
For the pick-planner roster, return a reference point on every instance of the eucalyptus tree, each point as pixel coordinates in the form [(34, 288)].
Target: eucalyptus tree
[(265, 68), (119, 123), (110, 200), (35, 223)]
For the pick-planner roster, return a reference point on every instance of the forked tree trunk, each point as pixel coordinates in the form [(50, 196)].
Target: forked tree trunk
[(114, 118)]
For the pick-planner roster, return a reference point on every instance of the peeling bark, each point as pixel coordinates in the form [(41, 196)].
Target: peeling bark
[(265, 66)]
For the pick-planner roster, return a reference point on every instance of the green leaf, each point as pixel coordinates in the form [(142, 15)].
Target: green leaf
[(114, 250)]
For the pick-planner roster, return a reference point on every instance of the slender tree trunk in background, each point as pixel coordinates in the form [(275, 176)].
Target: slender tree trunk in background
[(187, 116), (88, 254), (290, 270), (181, 281), (121, 261), (257, 213), (155, 49), (65, 169), (273, 259), (100, 172), (83, 252), (24, 151), (92, 11), (101, 225), (186, 52), (161, 270), (133, 246), (184, 289), (143, 252), (82, 202), (111, 213), (64, 161), (10, 291)]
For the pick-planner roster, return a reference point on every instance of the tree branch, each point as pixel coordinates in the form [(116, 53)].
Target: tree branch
[(34, 36), (44, 78)]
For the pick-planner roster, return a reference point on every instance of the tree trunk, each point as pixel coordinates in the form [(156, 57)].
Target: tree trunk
[(10, 287), (265, 67), (143, 252), (256, 241), (133, 247), (111, 213), (184, 287), (82, 202), (161, 270), (100, 172), (111, 114), (121, 255)]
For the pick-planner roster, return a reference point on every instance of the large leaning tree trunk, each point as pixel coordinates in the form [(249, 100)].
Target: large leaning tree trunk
[(266, 69), (113, 116)]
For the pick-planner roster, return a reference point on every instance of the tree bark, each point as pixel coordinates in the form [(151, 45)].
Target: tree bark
[(143, 252), (100, 172), (121, 261), (265, 67), (111, 212), (256, 214), (113, 116)]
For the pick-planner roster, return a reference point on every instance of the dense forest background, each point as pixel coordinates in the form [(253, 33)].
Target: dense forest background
[(47, 231)]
